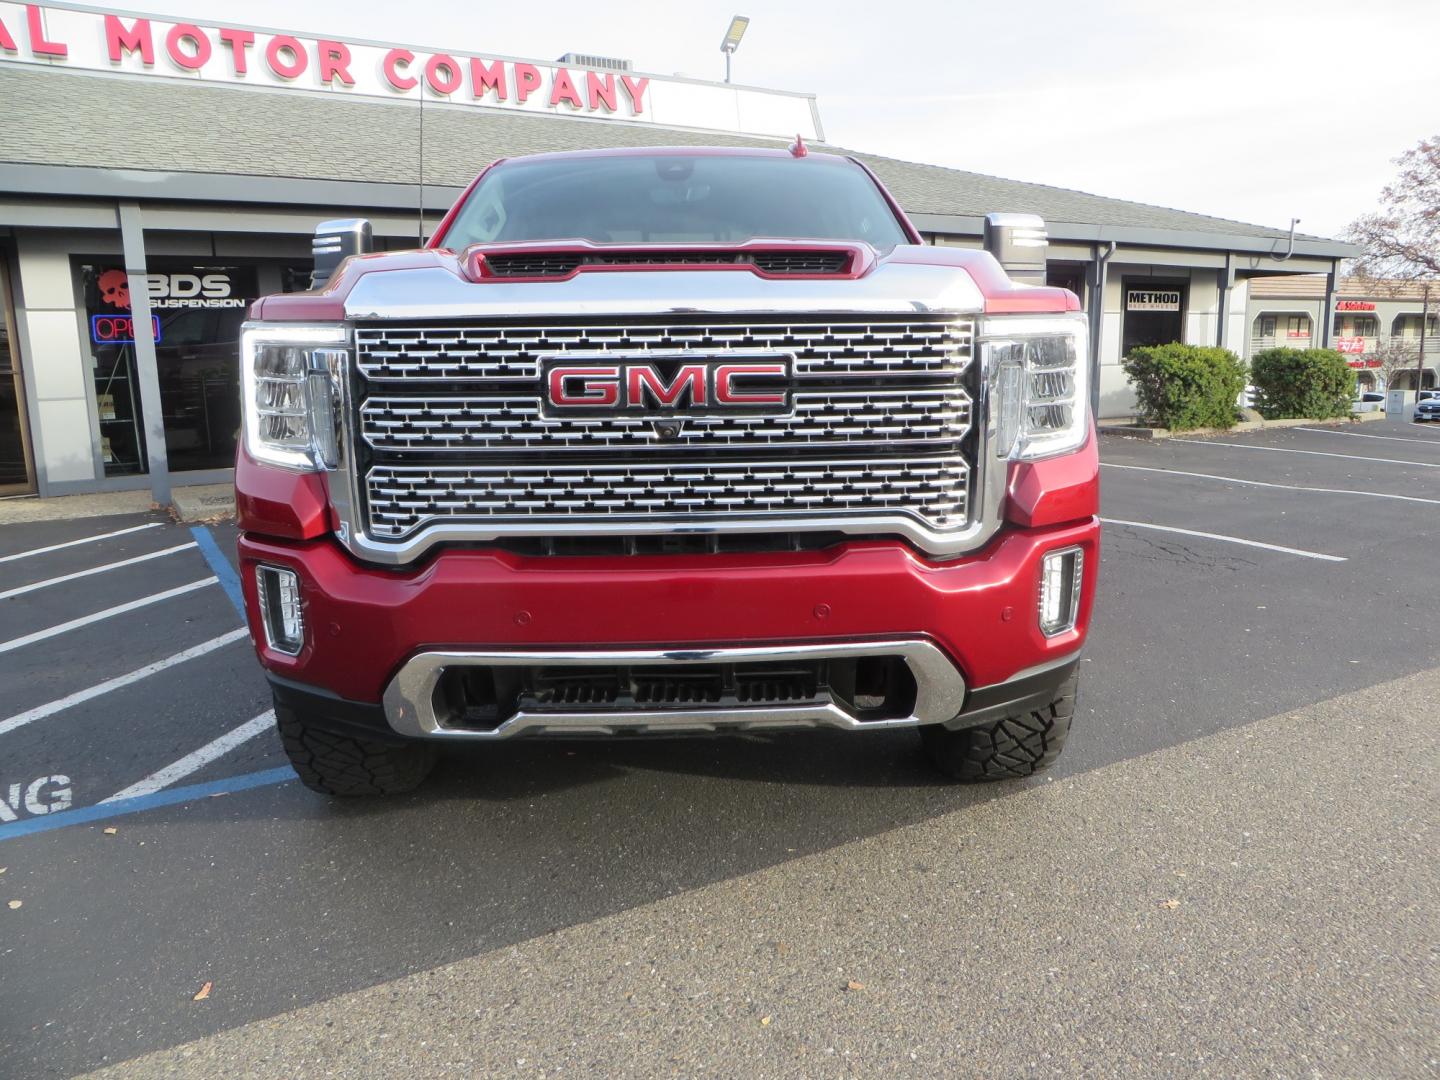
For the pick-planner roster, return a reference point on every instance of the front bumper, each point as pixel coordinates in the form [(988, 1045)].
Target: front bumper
[(363, 624)]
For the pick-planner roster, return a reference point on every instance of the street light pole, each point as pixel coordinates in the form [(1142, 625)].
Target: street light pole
[(1424, 319), (731, 41)]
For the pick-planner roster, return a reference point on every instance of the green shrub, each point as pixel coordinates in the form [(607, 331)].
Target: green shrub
[(1310, 383), (1186, 386)]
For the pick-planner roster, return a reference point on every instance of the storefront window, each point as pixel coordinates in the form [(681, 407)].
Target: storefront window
[(15, 476), (196, 312)]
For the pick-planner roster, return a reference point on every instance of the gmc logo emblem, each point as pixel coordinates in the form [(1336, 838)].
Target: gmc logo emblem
[(661, 387)]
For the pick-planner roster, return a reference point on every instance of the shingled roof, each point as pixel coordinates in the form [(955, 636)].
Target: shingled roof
[(56, 117)]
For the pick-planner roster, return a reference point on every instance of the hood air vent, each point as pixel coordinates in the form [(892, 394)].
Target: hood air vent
[(768, 262)]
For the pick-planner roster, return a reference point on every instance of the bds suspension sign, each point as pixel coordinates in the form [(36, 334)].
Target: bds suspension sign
[(147, 46)]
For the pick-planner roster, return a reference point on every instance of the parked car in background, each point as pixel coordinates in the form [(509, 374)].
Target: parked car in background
[(1427, 408)]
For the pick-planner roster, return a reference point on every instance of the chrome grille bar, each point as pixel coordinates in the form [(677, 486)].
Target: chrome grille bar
[(403, 498), (824, 347)]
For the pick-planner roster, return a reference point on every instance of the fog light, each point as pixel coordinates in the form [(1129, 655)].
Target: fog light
[(280, 609), (1060, 574)]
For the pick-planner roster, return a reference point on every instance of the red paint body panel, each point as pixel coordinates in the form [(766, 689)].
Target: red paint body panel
[(278, 502), (1002, 296), (363, 622), (1055, 490)]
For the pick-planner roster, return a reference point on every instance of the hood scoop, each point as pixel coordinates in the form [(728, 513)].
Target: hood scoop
[(553, 264)]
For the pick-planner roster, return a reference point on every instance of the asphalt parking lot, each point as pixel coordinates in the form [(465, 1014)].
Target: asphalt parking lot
[(1243, 578)]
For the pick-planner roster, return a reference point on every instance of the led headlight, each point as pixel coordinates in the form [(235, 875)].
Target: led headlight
[(1039, 384), (291, 380)]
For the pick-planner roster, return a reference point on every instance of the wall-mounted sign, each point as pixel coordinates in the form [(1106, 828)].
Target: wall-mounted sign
[(1152, 300), (1349, 345), (1354, 305), (1365, 363), (63, 37)]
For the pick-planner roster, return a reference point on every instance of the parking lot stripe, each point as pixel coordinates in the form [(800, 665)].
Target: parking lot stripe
[(100, 689), (1366, 435), (229, 579), (94, 570), (1313, 453), (75, 543), (197, 760), (118, 609), (1228, 539), (1262, 483), (105, 811)]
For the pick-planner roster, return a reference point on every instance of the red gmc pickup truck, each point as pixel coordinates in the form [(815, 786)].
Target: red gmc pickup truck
[(666, 441)]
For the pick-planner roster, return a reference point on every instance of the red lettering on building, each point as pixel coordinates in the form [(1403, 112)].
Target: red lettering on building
[(391, 65), (485, 77), (135, 39), (237, 41), (636, 89), (527, 81), (334, 62), (563, 89), (6, 41), (190, 61), (292, 68), (40, 45), (447, 83), (600, 90), (1355, 305)]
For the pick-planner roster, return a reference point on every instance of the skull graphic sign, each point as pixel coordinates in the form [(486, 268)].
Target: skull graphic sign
[(115, 289)]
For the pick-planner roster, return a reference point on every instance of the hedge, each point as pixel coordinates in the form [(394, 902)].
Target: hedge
[(1186, 386), (1309, 383)]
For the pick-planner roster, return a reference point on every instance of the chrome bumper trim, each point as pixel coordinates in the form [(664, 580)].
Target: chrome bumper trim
[(410, 711)]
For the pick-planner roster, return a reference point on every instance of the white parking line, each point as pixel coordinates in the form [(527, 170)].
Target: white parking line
[(1366, 435), (1313, 453), (198, 760), (94, 570), (1227, 539), (82, 540), (60, 704), (1262, 483), (118, 609)]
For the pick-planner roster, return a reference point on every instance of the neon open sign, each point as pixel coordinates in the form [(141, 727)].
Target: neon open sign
[(117, 329)]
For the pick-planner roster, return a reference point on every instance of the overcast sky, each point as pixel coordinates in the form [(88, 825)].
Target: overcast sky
[(1258, 110)]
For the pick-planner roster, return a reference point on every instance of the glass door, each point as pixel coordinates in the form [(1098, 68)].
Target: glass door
[(17, 471)]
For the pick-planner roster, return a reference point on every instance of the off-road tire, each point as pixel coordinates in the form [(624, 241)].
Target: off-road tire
[(1005, 749), (334, 764)]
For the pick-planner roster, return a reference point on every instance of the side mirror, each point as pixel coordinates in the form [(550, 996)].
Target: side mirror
[(1019, 243), (336, 241)]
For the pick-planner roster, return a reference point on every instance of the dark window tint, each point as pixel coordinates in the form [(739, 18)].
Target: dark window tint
[(675, 199)]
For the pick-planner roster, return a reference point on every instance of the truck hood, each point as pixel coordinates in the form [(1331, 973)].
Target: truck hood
[(440, 284)]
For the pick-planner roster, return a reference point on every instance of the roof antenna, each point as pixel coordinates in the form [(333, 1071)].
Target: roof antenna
[(798, 147)]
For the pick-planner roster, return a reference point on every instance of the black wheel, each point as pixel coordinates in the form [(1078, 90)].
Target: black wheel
[(334, 764), (1004, 749)]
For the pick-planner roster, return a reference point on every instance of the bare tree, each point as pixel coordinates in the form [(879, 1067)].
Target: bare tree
[(1393, 358), (1402, 240)]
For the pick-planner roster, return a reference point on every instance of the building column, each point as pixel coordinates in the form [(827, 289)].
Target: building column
[(132, 239), (1095, 275), (1327, 306), (1227, 282)]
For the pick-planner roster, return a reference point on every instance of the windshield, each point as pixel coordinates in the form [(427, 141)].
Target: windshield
[(672, 199)]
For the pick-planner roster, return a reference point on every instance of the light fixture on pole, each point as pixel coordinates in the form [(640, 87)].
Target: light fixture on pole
[(732, 40)]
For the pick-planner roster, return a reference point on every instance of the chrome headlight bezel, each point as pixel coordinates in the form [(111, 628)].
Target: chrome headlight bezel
[(312, 386), (1038, 368)]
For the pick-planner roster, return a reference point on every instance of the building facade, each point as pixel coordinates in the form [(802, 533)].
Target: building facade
[(1376, 324), (193, 161)]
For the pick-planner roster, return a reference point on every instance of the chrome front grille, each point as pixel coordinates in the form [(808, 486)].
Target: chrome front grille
[(450, 431)]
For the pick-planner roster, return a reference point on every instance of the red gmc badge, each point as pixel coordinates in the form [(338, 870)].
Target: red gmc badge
[(666, 386)]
